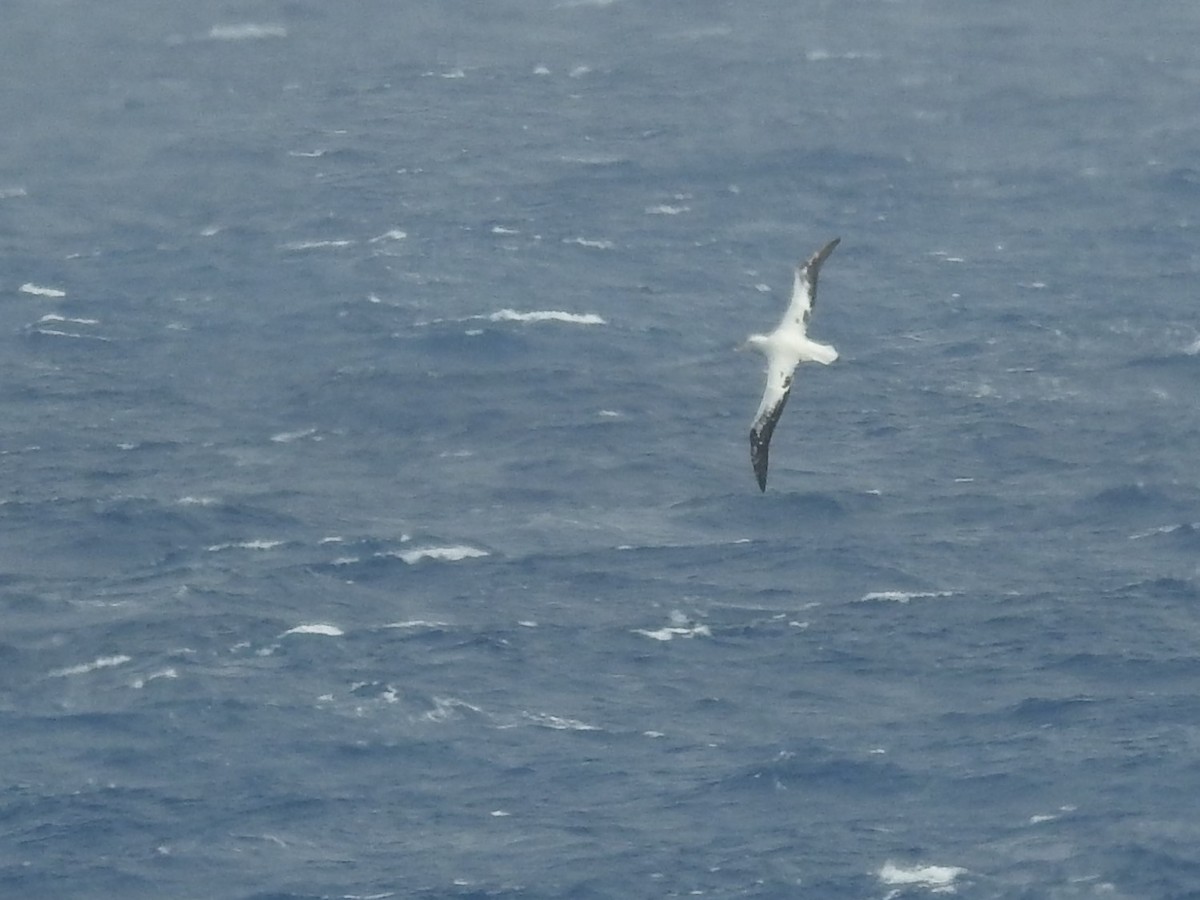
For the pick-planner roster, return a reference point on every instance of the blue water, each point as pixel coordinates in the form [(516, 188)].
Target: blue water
[(377, 513)]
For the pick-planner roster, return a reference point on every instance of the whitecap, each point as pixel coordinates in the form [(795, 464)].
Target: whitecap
[(246, 31), (197, 501), (550, 315), (103, 662), (393, 234), (55, 332), (139, 683), (938, 877), (670, 632), (447, 707), (54, 317), (445, 554), (1164, 529), (38, 291), (680, 626), (286, 437), (6, 193), (664, 209), (316, 245), (317, 628), (849, 55), (902, 596), (558, 723), (259, 544), (588, 242)]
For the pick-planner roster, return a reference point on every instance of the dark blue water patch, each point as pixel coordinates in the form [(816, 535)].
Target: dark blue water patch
[(813, 770), (1128, 499)]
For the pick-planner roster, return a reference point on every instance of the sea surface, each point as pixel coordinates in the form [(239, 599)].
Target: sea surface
[(376, 512)]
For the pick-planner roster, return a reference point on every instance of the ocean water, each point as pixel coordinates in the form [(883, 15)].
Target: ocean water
[(377, 514)]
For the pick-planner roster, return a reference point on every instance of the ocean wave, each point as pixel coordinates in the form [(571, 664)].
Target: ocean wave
[(103, 662), (547, 315), (443, 554), (39, 291), (246, 31), (902, 596), (941, 878), (321, 628)]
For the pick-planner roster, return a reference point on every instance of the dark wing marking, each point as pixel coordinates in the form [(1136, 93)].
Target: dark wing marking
[(804, 289), (760, 435)]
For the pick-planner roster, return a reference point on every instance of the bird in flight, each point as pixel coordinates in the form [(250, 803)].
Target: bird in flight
[(785, 348)]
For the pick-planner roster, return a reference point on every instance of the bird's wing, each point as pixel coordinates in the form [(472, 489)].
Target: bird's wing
[(775, 395), (804, 287)]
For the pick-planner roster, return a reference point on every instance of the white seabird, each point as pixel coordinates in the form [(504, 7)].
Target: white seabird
[(785, 348)]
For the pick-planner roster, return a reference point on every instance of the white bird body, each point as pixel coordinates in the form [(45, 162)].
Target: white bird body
[(785, 348)]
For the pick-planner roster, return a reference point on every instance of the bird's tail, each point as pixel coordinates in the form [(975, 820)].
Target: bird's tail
[(822, 353)]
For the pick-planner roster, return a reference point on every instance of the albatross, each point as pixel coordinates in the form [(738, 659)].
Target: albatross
[(785, 348)]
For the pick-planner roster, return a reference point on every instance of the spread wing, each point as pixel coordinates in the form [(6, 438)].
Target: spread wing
[(804, 287), (775, 395)]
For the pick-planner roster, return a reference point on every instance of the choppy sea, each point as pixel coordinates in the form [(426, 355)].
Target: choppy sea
[(377, 517)]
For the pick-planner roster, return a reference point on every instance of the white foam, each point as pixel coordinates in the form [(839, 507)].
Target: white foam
[(848, 55), (417, 623), (444, 554), (6, 193), (447, 707), (246, 31), (318, 628), (286, 437), (558, 723), (394, 234), (680, 626), (104, 662), (316, 245), (38, 291), (664, 209), (587, 242), (139, 683), (259, 544), (198, 501), (548, 315), (670, 633), (1193, 348), (55, 317), (1163, 529), (940, 878), (903, 596), (307, 154), (54, 332)]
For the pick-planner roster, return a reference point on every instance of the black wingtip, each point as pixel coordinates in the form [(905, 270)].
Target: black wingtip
[(758, 459)]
